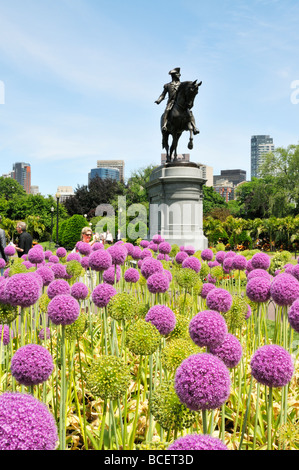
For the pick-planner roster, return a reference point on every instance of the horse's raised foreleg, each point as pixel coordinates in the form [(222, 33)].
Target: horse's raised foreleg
[(190, 143)]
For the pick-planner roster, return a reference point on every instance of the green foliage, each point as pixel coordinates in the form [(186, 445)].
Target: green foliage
[(10, 189), (211, 199), (72, 231)]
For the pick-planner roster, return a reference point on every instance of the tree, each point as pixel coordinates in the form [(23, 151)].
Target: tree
[(10, 188), (72, 231), (211, 199)]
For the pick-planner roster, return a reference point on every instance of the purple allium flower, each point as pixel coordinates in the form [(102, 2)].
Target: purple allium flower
[(97, 246), (63, 309), (158, 239), (84, 249), (193, 263), (168, 274), (288, 268), (260, 261), (61, 252), (284, 289), (53, 259), (118, 254), (160, 257), (272, 365), (129, 247), (26, 423), (165, 248), (144, 243), (41, 334), (153, 246), (59, 271), (9, 250), (207, 254), (220, 256), (22, 290), (139, 263), (102, 294), (146, 253), (158, 283), (73, 256), (211, 280), (28, 265), (229, 351), (46, 274), (202, 382), (85, 262), (208, 328), (36, 255), (190, 250), (137, 252), (131, 275), (2, 263), (47, 254), (248, 313), (228, 264), (100, 260), (5, 334), (206, 289), (31, 364), (181, 256), (197, 442), (212, 264), (3, 295), (162, 317), (239, 262), (295, 271), (58, 287), (151, 266), (6, 273), (229, 254), (293, 315), (109, 275), (79, 290), (219, 299), (258, 273), (258, 289)]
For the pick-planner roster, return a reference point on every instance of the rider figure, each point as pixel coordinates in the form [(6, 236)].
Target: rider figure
[(171, 88)]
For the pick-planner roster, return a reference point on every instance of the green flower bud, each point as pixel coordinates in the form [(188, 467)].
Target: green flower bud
[(142, 338), (123, 306), (176, 351), (8, 313)]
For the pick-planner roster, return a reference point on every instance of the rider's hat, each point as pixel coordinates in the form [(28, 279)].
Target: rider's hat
[(175, 71)]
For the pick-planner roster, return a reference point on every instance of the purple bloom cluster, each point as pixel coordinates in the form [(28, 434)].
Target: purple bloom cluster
[(2, 263), (206, 289), (258, 289), (197, 442), (229, 351), (157, 239), (46, 274), (41, 334), (102, 294), (100, 260), (202, 382), (61, 252), (97, 246), (151, 266), (85, 262), (22, 290), (258, 273), (220, 256), (36, 255), (295, 271), (58, 287), (272, 365), (260, 261), (228, 264), (59, 271), (129, 247), (181, 256), (131, 275), (79, 290), (189, 249), (84, 248), (158, 283), (144, 243), (3, 295), (208, 328), (73, 257), (165, 248), (239, 262), (162, 317), (146, 253), (5, 334), (193, 263), (26, 423), (118, 254), (293, 315), (9, 250), (137, 252), (219, 299), (31, 364), (63, 309), (284, 289), (109, 275), (53, 259), (207, 254)]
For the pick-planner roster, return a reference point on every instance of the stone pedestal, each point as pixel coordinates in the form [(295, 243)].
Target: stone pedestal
[(176, 204)]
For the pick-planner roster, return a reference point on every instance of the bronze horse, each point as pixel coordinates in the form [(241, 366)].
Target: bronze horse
[(179, 118)]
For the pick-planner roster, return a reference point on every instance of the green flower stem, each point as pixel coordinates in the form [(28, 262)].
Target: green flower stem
[(204, 421), (132, 437), (246, 413), (256, 414), (83, 397), (62, 413), (269, 419), (103, 425)]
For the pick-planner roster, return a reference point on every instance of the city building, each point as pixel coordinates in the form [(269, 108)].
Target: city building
[(225, 188), (113, 164), (235, 176), (21, 172), (260, 146), (34, 190), (64, 192), (104, 173)]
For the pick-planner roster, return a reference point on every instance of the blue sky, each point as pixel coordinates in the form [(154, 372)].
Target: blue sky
[(80, 78)]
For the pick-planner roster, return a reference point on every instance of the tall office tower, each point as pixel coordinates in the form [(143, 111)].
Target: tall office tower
[(260, 146), (116, 164), (104, 173), (235, 176), (21, 172)]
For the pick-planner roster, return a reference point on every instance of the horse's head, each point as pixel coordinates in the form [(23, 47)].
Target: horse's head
[(188, 91)]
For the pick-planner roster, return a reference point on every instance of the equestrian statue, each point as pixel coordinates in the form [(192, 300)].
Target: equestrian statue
[(177, 116)]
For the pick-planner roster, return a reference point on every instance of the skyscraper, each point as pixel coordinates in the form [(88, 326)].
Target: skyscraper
[(21, 172), (104, 173), (260, 146), (114, 164)]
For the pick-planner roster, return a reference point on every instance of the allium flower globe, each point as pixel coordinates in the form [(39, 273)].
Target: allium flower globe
[(118, 254), (181, 256), (193, 263), (131, 275), (61, 252), (58, 287), (219, 299), (22, 290), (2, 263), (9, 250), (158, 239), (59, 271), (260, 261), (100, 260), (239, 262), (272, 365), (197, 442), (146, 253), (284, 289), (73, 256), (63, 309), (189, 249), (31, 364), (165, 248), (84, 248), (207, 254), (142, 338), (5, 334), (258, 273), (112, 275), (293, 315), (162, 317), (53, 259), (26, 423), (208, 329), (46, 274), (258, 289), (79, 290), (202, 382), (158, 283), (108, 377), (151, 266), (295, 271), (102, 294), (137, 252), (229, 351), (220, 256), (206, 288)]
